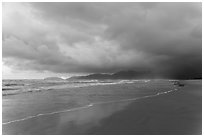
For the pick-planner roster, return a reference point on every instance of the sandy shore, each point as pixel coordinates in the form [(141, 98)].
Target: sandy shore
[(178, 112)]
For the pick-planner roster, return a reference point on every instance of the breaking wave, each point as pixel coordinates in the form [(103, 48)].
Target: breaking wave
[(13, 87)]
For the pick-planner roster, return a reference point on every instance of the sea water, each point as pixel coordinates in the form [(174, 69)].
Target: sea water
[(13, 87), (22, 98)]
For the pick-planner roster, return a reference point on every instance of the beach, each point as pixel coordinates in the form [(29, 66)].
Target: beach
[(150, 108), (176, 113), (100, 68)]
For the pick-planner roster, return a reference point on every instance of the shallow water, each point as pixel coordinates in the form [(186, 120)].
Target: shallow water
[(13, 87), (60, 111)]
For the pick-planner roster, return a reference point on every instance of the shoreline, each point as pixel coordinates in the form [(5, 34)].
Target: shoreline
[(87, 106), (177, 112)]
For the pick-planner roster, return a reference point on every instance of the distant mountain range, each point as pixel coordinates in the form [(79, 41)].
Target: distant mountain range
[(53, 78), (130, 74)]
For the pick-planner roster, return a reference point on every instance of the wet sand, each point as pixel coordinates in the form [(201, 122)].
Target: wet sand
[(178, 112)]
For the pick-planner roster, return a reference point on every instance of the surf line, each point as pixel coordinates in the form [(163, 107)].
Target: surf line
[(87, 106), (51, 113)]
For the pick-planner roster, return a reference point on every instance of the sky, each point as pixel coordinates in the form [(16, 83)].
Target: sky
[(65, 39)]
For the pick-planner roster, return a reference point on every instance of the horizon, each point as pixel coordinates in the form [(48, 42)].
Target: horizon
[(66, 78)]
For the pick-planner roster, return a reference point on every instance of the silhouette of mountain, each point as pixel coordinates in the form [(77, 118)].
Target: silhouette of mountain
[(130, 74), (92, 76), (53, 78)]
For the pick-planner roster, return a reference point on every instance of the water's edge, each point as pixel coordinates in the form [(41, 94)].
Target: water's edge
[(87, 106)]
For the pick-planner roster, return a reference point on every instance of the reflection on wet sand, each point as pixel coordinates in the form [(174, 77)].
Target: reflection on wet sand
[(81, 121), (74, 122)]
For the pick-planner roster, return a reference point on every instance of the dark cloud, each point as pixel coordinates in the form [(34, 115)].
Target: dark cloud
[(165, 38)]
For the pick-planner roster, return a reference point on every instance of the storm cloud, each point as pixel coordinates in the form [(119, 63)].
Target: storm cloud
[(165, 38)]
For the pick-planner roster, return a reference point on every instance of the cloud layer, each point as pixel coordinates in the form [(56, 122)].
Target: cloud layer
[(165, 38)]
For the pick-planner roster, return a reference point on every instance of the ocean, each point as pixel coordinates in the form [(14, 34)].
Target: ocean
[(13, 87)]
